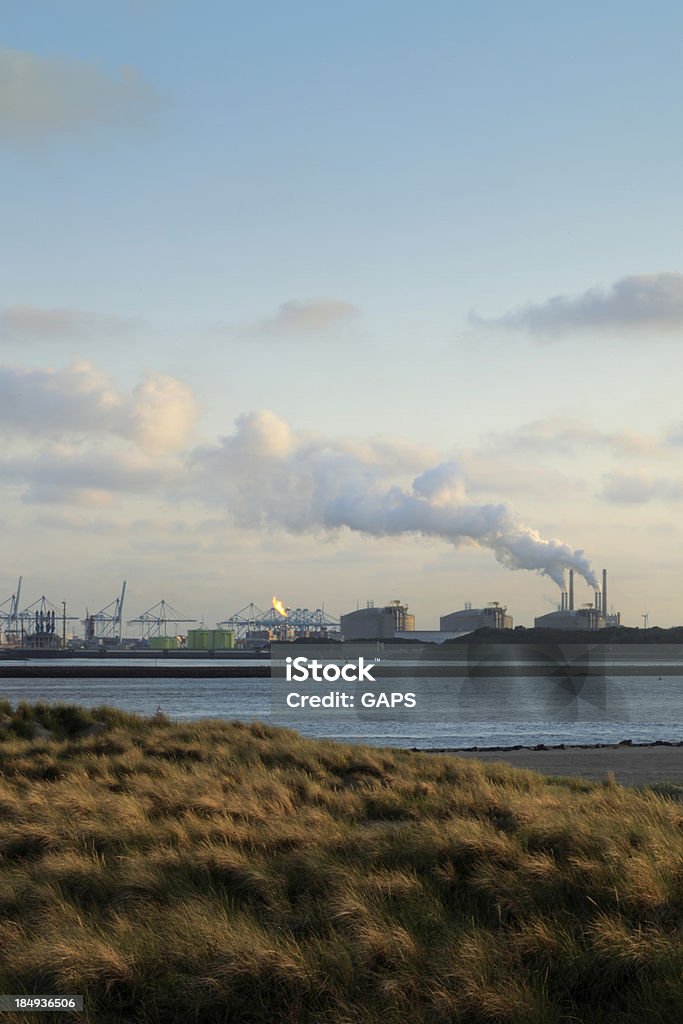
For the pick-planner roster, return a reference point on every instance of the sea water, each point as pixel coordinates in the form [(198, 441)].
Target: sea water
[(453, 714)]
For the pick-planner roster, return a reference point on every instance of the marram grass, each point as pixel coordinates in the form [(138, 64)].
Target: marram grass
[(221, 872)]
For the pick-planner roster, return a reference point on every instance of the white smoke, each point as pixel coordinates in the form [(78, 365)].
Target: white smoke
[(271, 475)]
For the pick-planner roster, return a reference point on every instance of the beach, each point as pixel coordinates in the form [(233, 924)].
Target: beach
[(632, 764)]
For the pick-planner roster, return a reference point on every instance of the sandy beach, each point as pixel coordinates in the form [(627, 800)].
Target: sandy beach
[(632, 765)]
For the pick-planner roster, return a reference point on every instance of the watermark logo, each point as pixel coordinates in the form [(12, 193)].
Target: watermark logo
[(299, 670)]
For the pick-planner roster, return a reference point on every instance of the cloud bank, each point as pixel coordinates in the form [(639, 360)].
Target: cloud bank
[(92, 478), (32, 323), (562, 435), (641, 302), (81, 399), (640, 488), (42, 97)]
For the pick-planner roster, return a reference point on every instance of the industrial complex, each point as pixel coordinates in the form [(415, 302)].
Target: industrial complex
[(44, 625), (594, 615)]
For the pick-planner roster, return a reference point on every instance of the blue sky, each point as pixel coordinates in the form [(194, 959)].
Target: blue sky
[(222, 208)]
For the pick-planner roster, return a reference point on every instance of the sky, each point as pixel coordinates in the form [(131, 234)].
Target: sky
[(341, 303)]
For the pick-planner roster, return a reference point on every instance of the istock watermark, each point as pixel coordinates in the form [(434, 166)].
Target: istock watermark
[(301, 682), (336, 680), (299, 670)]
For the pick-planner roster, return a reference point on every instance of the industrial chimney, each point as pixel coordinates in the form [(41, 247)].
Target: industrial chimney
[(604, 593), (571, 590)]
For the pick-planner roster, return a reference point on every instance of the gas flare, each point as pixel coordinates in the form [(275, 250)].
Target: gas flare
[(279, 607)]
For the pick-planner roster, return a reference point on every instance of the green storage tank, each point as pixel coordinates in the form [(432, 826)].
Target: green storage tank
[(198, 639), (210, 639), (163, 643), (223, 639)]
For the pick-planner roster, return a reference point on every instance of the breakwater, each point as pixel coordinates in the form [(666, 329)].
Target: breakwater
[(143, 670)]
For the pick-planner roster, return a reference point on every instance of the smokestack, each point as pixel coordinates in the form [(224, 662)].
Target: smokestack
[(604, 593), (571, 590), (563, 602)]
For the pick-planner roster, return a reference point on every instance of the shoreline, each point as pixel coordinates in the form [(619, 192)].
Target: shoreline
[(633, 764), (546, 747), (142, 671)]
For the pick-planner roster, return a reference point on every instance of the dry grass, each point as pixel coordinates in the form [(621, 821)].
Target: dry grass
[(223, 872)]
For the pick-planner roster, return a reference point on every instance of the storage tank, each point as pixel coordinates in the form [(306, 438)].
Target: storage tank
[(163, 643), (377, 623), (210, 639)]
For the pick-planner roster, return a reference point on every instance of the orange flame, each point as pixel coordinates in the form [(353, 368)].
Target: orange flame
[(279, 607)]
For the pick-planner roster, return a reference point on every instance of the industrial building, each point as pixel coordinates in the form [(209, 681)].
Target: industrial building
[(381, 623), (593, 615), (39, 625), (493, 616)]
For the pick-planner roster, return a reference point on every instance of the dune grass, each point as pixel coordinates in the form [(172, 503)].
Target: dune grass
[(219, 872)]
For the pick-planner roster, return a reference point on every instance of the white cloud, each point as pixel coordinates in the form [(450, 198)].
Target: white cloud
[(82, 400), (310, 317), (91, 478), (640, 488), (524, 480), (41, 96), (163, 412), (675, 437), (31, 323), (559, 435), (640, 302)]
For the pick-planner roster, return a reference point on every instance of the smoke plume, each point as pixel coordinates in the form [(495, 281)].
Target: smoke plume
[(271, 475)]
